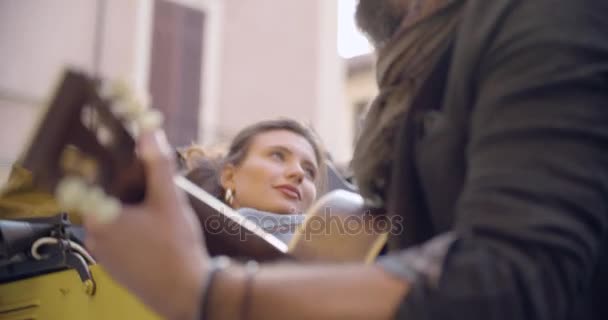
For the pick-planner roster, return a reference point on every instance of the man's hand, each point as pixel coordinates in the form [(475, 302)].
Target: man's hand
[(155, 249)]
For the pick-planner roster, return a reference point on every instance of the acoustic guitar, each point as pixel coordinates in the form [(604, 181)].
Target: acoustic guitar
[(84, 134)]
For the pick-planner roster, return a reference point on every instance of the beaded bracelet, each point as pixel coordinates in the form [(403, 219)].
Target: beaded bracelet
[(251, 268), (216, 265)]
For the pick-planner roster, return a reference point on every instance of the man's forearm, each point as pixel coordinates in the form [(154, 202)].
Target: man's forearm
[(308, 292)]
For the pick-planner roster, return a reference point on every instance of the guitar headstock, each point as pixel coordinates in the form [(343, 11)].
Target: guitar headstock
[(85, 140)]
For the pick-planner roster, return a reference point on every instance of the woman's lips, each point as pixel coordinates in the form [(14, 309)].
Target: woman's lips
[(289, 192)]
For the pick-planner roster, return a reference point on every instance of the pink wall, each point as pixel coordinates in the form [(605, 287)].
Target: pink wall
[(275, 58), (37, 40), (269, 61)]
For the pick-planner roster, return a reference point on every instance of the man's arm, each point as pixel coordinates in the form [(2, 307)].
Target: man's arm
[(308, 292)]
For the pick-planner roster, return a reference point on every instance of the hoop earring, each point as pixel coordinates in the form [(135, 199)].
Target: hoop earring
[(229, 197)]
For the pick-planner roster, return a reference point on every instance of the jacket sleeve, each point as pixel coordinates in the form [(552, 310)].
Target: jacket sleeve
[(532, 215)]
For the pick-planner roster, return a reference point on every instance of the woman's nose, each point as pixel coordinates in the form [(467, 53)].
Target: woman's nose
[(295, 172)]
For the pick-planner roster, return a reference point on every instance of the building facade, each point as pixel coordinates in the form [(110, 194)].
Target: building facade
[(211, 66)]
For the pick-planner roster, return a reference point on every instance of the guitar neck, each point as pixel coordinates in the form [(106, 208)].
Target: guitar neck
[(226, 231)]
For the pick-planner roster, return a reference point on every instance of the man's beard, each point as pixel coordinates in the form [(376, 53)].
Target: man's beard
[(380, 19)]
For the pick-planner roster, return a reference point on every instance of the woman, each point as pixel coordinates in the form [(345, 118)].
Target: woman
[(272, 168)]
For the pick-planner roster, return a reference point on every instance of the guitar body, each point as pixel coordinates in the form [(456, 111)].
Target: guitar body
[(339, 228)]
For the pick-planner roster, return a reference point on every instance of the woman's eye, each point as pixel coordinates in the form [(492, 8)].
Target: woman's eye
[(277, 155), (311, 173)]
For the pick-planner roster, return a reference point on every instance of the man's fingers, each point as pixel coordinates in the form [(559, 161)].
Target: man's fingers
[(156, 154), (99, 231), (97, 226), (93, 225)]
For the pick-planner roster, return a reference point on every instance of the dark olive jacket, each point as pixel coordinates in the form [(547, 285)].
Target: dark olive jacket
[(501, 170)]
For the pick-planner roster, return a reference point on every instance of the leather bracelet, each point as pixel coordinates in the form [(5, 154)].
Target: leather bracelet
[(216, 264), (251, 268)]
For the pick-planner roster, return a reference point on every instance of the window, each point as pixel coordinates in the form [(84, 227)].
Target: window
[(175, 68)]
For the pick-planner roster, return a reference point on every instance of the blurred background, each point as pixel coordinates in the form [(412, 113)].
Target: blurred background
[(211, 66)]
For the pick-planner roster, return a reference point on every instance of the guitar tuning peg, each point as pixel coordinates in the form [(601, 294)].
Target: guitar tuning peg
[(107, 210), (112, 90), (132, 107), (70, 191), (97, 202), (150, 120), (120, 89), (136, 108), (94, 201), (73, 193), (128, 108), (143, 97), (93, 196)]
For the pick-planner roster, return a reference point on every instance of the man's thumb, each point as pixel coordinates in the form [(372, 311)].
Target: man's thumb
[(159, 165)]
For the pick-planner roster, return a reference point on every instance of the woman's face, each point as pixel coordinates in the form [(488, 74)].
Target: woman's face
[(278, 174)]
